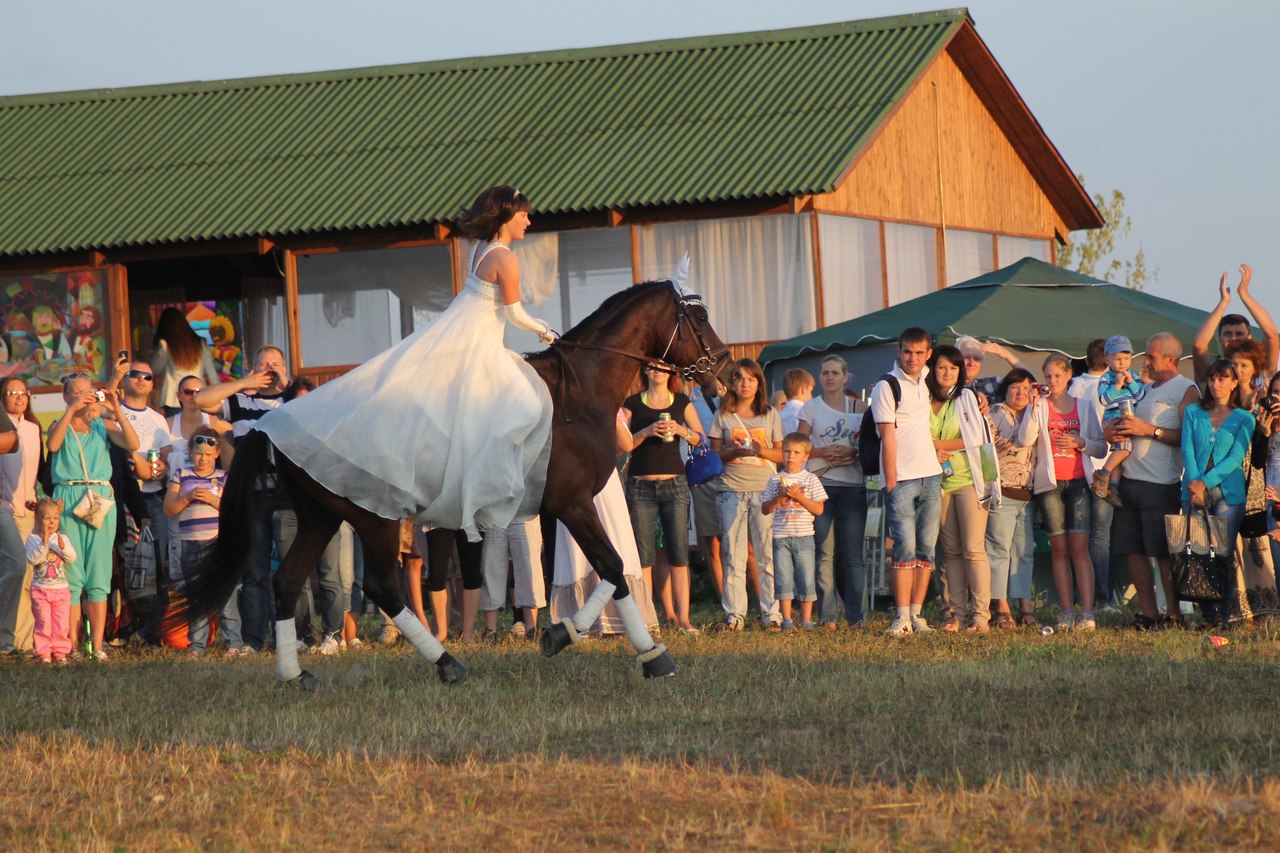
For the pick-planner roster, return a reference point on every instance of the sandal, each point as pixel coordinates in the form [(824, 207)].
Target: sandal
[(1102, 484), (1003, 621), (951, 626), (1027, 619)]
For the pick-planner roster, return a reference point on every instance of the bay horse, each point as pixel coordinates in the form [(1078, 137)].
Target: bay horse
[(588, 372)]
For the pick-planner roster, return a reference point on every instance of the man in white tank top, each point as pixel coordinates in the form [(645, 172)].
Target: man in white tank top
[(1152, 482)]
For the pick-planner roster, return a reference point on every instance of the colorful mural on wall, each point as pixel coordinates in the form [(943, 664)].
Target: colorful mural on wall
[(52, 325)]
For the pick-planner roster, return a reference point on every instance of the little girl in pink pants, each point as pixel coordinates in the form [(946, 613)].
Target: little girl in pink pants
[(49, 552)]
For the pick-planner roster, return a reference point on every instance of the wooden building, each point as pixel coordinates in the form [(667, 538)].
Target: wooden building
[(814, 175)]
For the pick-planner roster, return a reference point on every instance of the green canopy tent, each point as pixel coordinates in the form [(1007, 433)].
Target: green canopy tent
[(1029, 306)]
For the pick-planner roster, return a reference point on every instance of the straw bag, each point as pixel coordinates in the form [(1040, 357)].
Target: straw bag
[(93, 508)]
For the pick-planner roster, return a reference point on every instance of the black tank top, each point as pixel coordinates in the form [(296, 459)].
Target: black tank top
[(653, 456)]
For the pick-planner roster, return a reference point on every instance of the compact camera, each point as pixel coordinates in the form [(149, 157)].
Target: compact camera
[(1270, 403), (100, 395)]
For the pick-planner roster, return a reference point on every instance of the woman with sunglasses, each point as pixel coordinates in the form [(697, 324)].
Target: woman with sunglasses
[(656, 486), (17, 516), (79, 462)]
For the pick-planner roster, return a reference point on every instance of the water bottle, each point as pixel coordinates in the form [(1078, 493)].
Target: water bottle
[(88, 637)]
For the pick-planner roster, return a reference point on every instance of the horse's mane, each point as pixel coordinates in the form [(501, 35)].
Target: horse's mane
[(612, 305)]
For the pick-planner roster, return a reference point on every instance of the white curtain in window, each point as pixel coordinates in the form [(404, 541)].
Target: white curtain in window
[(1013, 249), (265, 320), (756, 273), (969, 255), (911, 261), (852, 284)]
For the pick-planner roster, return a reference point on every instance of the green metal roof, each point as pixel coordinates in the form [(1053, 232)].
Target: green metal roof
[(753, 115)]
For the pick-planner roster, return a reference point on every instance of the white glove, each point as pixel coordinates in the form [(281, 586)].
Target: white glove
[(518, 317)]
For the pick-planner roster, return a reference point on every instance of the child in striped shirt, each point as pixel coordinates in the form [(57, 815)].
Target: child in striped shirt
[(794, 497), (194, 496)]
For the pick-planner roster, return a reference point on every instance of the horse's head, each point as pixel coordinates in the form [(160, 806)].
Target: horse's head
[(694, 346)]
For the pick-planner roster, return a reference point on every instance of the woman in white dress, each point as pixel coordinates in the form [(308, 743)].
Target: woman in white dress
[(447, 427)]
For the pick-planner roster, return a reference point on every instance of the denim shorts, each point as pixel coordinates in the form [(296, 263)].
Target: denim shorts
[(1065, 507), (668, 500)]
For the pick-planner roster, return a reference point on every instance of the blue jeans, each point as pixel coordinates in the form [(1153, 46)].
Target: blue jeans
[(840, 529), (1009, 547), (669, 498), (245, 617), (740, 517), (197, 631), (793, 558), (1100, 515), (915, 513), (335, 563), (1234, 514)]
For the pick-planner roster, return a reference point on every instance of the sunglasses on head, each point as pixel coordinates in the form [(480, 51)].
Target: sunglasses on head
[(138, 374), (204, 441), (71, 376)]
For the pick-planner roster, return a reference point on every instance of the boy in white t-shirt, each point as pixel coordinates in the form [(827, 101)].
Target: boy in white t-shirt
[(794, 497)]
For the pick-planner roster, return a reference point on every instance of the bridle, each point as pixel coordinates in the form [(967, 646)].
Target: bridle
[(704, 363)]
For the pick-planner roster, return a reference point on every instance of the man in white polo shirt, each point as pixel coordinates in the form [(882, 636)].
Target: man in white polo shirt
[(912, 478)]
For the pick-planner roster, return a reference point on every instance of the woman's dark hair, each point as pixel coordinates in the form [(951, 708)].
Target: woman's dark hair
[(760, 405), (185, 347), (296, 386), (4, 388), (954, 357), (1013, 377), (1220, 367), (490, 211)]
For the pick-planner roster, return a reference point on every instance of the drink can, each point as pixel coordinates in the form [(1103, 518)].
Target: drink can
[(1216, 642), (664, 417), (153, 456)]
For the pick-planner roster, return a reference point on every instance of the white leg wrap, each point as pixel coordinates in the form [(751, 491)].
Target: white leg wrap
[(417, 634), (594, 606), (637, 633), (287, 668)]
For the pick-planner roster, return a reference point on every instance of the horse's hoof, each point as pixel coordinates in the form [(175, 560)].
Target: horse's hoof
[(661, 666), (450, 669), (306, 681), (555, 639)]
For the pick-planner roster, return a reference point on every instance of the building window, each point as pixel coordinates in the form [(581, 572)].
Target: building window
[(969, 255), (756, 273), (852, 273), (1014, 249), (354, 305), (55, 324), (911, 261)]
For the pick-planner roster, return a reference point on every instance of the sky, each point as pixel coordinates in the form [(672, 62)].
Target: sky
[(1174, 104)]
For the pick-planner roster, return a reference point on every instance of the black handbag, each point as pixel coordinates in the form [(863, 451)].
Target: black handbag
[(1200, 577), (1254, 525)]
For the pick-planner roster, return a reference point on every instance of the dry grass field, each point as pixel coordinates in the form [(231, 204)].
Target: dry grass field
[(1013, 741)]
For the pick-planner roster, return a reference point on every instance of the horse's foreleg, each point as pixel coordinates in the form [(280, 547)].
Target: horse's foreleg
[(381, 541), (313, 531), (583, 523)]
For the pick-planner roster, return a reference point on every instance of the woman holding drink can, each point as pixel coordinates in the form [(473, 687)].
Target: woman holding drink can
[(656, 485)]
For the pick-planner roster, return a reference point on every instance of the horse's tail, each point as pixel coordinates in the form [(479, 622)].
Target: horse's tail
[(211, 580)]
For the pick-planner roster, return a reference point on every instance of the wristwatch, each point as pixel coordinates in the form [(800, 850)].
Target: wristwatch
[(1158, 433)]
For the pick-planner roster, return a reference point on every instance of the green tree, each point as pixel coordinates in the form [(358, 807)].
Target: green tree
[(1092, 254)]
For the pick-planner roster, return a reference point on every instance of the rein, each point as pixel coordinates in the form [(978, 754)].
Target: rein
[(704, 364)]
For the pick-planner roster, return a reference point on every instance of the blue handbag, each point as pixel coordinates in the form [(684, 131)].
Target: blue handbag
[(703, 464)]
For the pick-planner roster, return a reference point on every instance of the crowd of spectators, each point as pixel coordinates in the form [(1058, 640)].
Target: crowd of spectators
[(968, 467)]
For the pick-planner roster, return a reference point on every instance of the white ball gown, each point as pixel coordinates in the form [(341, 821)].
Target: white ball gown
[(447, 427)]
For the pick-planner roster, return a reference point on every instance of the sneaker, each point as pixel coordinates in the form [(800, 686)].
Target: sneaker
[(355, 643), (787, 626), (1086, 622), (303, 647), (489, 636), (809, 627), (232, 652), (1067, 620), (734, 625), (101, 656), (329, 646), (248, 650), (899, 627), (388, 635), (519, 631), (920, 626)]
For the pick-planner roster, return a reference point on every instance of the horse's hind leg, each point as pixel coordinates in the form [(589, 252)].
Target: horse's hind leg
[(381, 540), (584, 525), (315, 527)]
